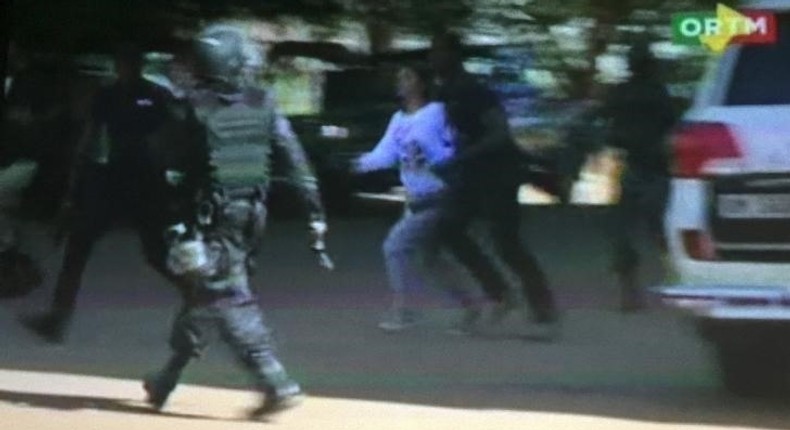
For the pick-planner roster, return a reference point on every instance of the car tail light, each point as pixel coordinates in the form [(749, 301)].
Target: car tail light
[(698, 245), (697, 144)]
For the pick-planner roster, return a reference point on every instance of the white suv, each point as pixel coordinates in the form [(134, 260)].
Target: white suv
[(728, 221)]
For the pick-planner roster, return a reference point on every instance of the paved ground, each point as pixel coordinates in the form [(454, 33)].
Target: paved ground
[(608, 371)]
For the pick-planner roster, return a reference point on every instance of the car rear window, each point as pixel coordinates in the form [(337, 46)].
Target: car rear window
[(358, 88), (762, 73)]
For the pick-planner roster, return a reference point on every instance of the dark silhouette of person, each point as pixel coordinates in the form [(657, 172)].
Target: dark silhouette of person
[(640, 114), (484, 179)]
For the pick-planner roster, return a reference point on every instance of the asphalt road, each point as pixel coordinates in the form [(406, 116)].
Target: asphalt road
[(608, 370)]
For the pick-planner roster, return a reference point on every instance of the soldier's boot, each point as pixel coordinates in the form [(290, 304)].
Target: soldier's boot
[(277, 400), (280, 392), (157, 391), (158, 386)]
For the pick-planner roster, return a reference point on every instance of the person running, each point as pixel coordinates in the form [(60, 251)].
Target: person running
[(416, 139)]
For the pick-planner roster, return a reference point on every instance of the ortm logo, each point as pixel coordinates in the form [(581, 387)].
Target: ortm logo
[(727, 26)]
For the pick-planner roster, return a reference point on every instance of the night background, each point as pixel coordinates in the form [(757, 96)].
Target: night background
[(332, 64)]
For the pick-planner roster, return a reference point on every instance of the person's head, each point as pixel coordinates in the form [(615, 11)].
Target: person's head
[(641, 62), (223, 53), (128, 61), (446, 56), (413, 83), (179, 73)]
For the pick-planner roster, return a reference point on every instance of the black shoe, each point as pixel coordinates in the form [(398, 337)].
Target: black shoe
[(156, 392), (631, 297), (276, 403), (51, 326), (546, 325), (467, 324)]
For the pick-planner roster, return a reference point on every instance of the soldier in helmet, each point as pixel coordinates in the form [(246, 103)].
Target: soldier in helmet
[(210, 248)]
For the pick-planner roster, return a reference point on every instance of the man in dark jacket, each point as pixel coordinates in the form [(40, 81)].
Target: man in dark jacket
[(640, 114), (484, 179)]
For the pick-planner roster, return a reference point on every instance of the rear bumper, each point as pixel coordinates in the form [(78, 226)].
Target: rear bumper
[(728, 302), (751, 319)]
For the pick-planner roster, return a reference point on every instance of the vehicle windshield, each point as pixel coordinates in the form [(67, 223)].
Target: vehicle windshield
[(761, 75)]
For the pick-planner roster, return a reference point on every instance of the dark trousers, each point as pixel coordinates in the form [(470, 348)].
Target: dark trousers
[(497, 206), (106, 194), (643, 199)]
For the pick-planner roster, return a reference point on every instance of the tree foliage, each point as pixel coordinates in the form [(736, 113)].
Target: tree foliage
[(75, 24), (98, 24)]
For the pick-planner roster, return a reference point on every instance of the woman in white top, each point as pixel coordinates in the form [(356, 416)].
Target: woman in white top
[(416, 139)]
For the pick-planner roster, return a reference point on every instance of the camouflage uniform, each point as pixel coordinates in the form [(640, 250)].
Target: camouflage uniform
[(212, 252)]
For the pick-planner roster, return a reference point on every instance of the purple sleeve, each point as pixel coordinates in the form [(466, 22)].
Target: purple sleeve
[(384, 155)]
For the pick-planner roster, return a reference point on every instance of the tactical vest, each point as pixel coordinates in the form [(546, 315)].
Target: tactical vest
[(239, 132)]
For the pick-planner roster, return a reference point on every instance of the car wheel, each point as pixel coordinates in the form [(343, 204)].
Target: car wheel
[(756, 371), (752, 356)]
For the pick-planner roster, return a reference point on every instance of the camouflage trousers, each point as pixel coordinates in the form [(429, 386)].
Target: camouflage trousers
[(220, 302), (243, 327)]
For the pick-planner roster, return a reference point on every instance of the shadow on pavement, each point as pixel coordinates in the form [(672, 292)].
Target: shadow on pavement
[(72, 403), (609, 367)]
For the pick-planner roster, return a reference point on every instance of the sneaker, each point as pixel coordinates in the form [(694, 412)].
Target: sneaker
[(156, 392), (275, 403), (50, 326), (467, 324), (398, 320)]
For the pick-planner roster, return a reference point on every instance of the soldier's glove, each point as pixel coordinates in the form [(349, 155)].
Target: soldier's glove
[(191, 255), (318, 229)]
